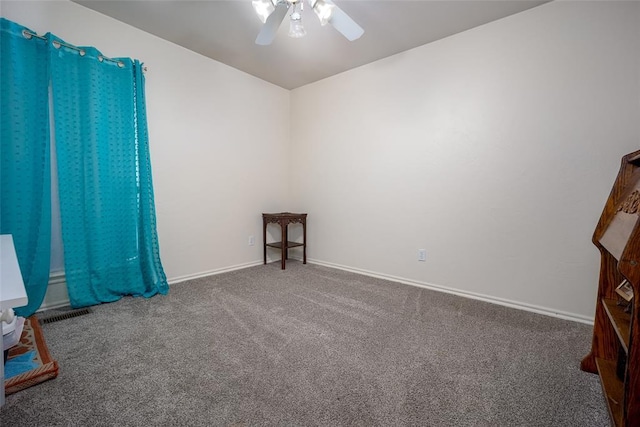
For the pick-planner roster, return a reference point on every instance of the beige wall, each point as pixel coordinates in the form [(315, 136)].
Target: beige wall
[(493, 149)]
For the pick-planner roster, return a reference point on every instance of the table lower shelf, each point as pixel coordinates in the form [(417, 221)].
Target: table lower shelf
[(289, 245)]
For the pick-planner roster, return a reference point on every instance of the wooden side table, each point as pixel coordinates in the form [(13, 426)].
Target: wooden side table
[(284, 219)]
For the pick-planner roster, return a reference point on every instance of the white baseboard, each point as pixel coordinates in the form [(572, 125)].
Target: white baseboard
[(179, 279), (486, 298), (57, 295)]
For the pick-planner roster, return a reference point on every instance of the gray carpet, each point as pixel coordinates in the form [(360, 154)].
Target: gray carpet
[(311, 346)]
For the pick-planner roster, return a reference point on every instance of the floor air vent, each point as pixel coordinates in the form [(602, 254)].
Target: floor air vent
[(66, 315)]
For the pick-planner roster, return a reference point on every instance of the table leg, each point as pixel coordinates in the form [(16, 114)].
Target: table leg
[(286, 239), (264, 240), (304, 242), (284, 245)]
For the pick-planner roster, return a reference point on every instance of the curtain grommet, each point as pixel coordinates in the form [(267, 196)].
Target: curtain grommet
[(82, 53), (27, 35), (56, 44)]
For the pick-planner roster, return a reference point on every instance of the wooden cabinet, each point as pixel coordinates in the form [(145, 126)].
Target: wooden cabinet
[(615, 349)]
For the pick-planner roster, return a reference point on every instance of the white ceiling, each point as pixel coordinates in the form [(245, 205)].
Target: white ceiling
[(225, 30)]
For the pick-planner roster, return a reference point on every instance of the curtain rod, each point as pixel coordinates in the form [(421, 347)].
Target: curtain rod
[(28, 35)]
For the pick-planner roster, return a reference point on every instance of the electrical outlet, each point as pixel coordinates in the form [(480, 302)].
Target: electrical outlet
[(252, 241), (422, 254)]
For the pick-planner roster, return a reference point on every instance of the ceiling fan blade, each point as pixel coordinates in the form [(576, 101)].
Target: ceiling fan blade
[(343, 23), (270, 27)]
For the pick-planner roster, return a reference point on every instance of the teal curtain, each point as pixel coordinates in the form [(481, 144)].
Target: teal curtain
[(104, 177), (25, 174)]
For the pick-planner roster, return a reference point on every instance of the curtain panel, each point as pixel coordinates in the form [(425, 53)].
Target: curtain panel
[(104, 171), (25, 174), (104, 177)]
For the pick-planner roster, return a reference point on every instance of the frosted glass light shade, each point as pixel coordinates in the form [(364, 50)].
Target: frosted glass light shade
[(296, 29), (263, 9), (324, 11)]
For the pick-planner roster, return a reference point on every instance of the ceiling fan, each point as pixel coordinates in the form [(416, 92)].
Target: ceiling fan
[(272, 13)]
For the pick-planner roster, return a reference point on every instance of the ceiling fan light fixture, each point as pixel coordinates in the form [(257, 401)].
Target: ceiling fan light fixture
[(263, 9), (296, 29), (326, 10), (323, 9)]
